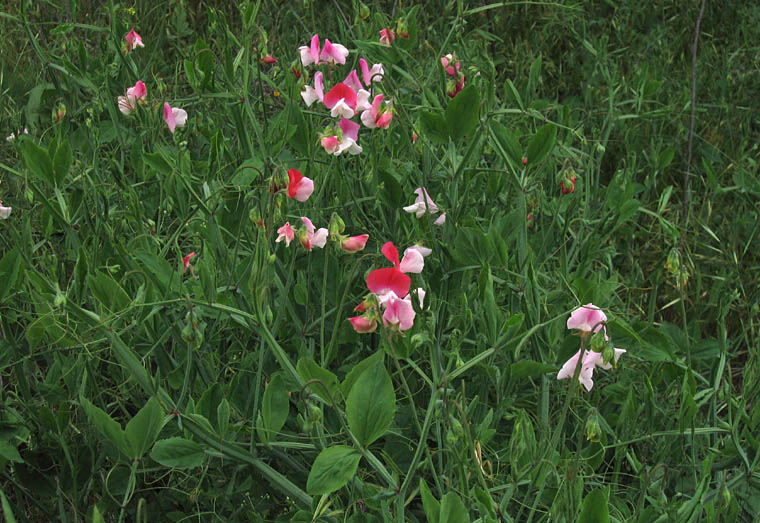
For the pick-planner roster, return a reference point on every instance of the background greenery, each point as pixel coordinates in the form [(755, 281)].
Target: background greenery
[(130, 391)]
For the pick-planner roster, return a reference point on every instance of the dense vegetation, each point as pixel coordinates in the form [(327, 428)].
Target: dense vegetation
[(167, 354)]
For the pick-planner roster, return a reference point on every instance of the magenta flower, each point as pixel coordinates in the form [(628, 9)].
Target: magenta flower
[(398, 312), (447, 62), (133, 40), (587, 318), (174, 117), (354, 243), (312, 94), (186, 261), (299, 187), (371, 75), (352, 80), (285, 233), (387, 36), (135, 94), (5, 212), (268, 59), (309, 238), (375, 117)]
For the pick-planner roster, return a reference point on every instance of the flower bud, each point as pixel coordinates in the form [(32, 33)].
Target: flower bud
[(255, 216), (598, 343), (567, 181), (673, 263), (401, 29), (363, 11), (336, 226), (58, 113), (593, 427), (608, 354)]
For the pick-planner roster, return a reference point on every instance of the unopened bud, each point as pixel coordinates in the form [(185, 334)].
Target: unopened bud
[(593, 427), (364, 11), (598, 342), (608, 355), (58, 113), (336, 226)]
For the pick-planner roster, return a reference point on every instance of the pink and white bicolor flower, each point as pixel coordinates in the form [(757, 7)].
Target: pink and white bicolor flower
[(186, 261), (422, 204), (285, 233), (331, 53), (5, 212), (343, 139), (363, 324), (377, 118), (133, 40), (341, 100), (587, 318), (312, 94), (174, 117), (590, 361), (375, 74), (354, 243), (299, 187), (311, 238), (135, 94)]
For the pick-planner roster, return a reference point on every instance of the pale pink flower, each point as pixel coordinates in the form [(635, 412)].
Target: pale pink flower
[(4, 211), (309, 238), (133, 40), (363, 325), (354, 243), (387, 36), (362, 101), (375, 117), (422, 204), (285, 233), (414, 259), (299, 187), (398, 312), (174, 117), (312, 94), (587, 368), (352, 80), (375, 74), (440, 220), (12, 136), (421, 296), (310, 55), (587, 318), (135, 94)]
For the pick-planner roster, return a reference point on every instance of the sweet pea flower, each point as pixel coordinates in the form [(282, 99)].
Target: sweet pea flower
[(312, 94), (299, 187), (354, 243), (268, 59), (446, 61), (309, 238), (363, 324), (341, 99), (186, 261), (352, 80), (310, 54), (333, 53), (133, 40), (421, 296), (371, 75), (5, 212), (381, 281), (440, 220), (387, 36), (414, 259), (375, 117), (12, 136), (343, 139), (285, 233), (586, 318), (422, 204), (135, 94), (398, 312), (587, 368), (174, 117)]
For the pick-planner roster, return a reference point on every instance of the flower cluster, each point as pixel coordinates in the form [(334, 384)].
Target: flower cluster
[(590, 321), (456, 77), (422, 204), (390, 300), (345, 99), (138, 94)]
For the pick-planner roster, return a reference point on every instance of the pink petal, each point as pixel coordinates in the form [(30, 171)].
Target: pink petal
[(334, 53), (586, 318), (352, 80), (285, 233), (330, 144), (413, 262), (363, 324), (338, 92), (391, 253), (309, 225), (350, 129), (354, 243), (169, 117), (387, 279), (186, 261), (399, 312)]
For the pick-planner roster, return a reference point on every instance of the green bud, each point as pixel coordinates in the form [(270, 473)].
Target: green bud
[(313, 413), (337, 226), (363, 11), (593, 427)]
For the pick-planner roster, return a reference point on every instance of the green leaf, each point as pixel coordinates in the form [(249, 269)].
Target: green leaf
[(514, 94), (542, 144), (508, 142), (38, 162), (62, 162), (275, 406), (434, 127), (529, 368), (371, 404), (463, 112), (429, 504), (223, 416), (143, 429), (594, 509), (97, 517), (333, 468), (309, 370), (107, 291), (9, 452), (107, 426), (10, 272), (158, 162), (178, 453), (7, 512), (357, 370), (453, 510)]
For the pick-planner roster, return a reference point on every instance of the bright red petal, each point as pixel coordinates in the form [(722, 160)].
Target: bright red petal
[(389, 251), (388, 279), (295, 176)]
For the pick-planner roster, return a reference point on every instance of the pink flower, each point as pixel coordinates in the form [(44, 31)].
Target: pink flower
[(446, 61), (135, 94), (310, 55), (354, 243), (587, 318), (374, 117), (387, 279), (333, 53), (422, 204), (4, 211), (300, 187), (587, 369), (421, 296), (269, 59), (337, 141), (387, 36), (12, 136), (371, 75), (309, 238), (363, 325), (312, 94), (398, 312), (133, 40), (186, 261), (341, 100), (174, 117), (285, 233), (414, 259), (352, 80), (440, 220)]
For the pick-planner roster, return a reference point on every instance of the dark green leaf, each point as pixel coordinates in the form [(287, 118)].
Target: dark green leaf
[(529, 368), (430, 505), (453, 510), (594, 509), (11, 266), (434, 127), (371, 404), (309, 371), (357, 370), (508, 142), (542, 144), (62, 162), (107, 426), (178, 453), (463, 112), (143, 429), (333, 468), (38, 162), (275, 406)]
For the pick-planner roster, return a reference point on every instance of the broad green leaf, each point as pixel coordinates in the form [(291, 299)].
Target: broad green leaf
[(430, 505), (38, 162), (209, 402), (158, 162), (62, 162), (508, 142), (533, 78), (107, 426), (594, 509), (7, 512), (333, 468), (11, 266), (308, 369), (97, 517), (178, 453), (541, 144), (143, 429), (275, 406), (463, 112), (357, 370), (529, 368), (107, 291), (453, 510), (434, 127), (9, 452), (371, 404)]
